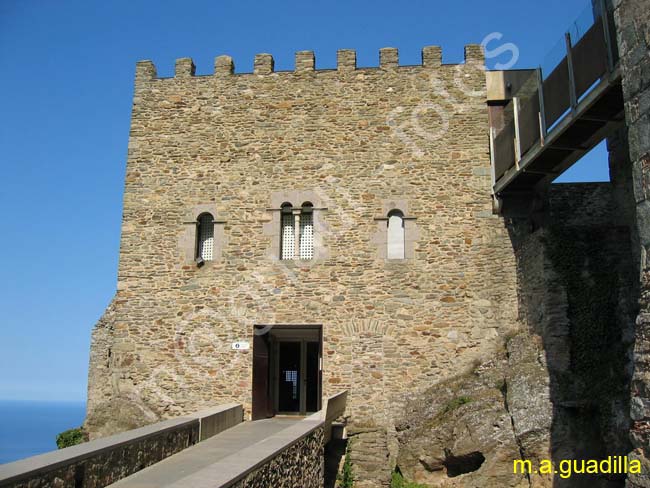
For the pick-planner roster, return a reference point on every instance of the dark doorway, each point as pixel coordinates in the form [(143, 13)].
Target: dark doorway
[(289, 378), (287, 371)]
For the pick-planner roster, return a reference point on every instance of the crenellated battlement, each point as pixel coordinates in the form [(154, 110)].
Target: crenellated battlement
[(305, 62)]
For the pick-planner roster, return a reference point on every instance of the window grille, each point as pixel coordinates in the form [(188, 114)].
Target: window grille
[(306, 235), (206, 237), (288, 242), (395, 237), (292, 377)]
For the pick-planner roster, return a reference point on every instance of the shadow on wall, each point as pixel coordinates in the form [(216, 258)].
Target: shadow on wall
[(578, 292), (334, 457)]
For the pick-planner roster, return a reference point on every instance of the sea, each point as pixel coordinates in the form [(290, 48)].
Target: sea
[(28, 428)]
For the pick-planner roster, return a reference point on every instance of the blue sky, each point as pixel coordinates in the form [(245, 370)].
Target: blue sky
[(66, 83)]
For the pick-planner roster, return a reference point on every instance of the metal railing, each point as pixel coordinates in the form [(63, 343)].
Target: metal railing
[(555, 89)]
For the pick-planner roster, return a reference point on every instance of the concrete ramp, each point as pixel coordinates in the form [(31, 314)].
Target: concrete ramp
[(280, 451), (226, 457)]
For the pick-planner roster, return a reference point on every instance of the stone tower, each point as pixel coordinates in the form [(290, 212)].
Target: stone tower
[(233, 158)]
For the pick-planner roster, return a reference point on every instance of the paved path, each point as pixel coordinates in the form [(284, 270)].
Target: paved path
[(207, 453)]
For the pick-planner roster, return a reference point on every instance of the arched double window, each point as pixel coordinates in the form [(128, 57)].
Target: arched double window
[(296, 231), (205, 237), (395, 235)]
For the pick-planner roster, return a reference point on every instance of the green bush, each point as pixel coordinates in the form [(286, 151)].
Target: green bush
[(398, 481), (346, 476), (71, 437)]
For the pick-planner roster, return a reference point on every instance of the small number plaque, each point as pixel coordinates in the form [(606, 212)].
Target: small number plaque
[(241, 346)]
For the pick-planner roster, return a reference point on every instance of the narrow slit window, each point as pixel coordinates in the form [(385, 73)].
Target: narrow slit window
[(307, 231), (205, 248), (395, 241), (288, 238)]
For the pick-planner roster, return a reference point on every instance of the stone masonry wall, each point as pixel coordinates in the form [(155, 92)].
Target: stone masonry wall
[(360, 141), (632, 19), (298, 466)]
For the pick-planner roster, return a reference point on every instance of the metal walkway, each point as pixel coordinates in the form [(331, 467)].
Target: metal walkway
[(548, 118), (214, 460)]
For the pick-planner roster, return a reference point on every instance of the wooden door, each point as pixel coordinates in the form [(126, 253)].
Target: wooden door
[(261, 371)]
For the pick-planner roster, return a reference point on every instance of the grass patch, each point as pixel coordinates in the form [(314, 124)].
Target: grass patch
[(453, 404), (345, 478), (398, 481)]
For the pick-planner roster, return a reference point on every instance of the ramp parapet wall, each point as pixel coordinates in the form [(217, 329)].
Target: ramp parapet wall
[(100, 462)]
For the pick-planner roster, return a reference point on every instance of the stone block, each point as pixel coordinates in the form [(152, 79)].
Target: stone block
[(305, 61), (223, 65), (346, 59), (184, 68), (264, 64), (388, 58), (474, 53), (144, 71), (431, 56)]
